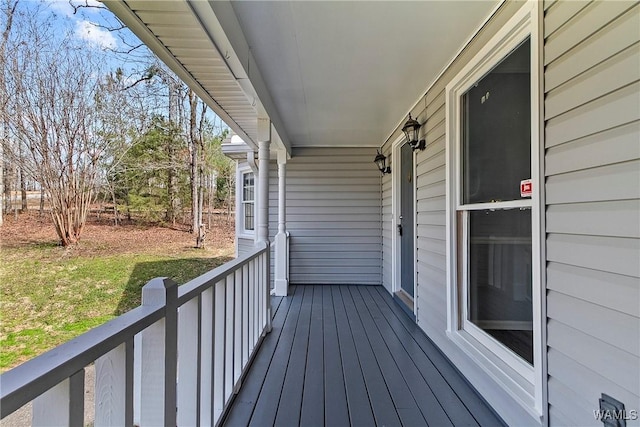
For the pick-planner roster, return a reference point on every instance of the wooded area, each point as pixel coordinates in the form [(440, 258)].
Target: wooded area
[(85, 123)]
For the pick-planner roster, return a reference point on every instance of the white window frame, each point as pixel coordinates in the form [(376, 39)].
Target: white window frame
[(242, 232), (524, 382)]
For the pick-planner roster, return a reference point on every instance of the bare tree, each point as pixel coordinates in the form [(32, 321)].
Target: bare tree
[(54, 83), (197, 151), (8, 12)]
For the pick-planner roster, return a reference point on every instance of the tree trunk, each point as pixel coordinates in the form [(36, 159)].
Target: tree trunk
[(116, 216), (172, 186), (23, 191), (8, 186), (201, 228), (1, 182), (41, 212), (193, 148), (172, 173), (209, 201)]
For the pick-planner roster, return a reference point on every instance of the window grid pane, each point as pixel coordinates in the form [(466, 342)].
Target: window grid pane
[(248, 216)]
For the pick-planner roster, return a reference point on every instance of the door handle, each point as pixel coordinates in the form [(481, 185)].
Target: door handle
[(400, 229)]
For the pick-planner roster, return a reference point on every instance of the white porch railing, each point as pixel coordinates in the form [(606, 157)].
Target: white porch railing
[(175, 360)]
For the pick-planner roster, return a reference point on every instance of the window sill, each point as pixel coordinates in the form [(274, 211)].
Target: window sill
[(505, 376)]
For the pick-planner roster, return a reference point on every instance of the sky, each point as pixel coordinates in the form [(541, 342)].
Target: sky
[(91, 25), (88, 22), (85, 20)]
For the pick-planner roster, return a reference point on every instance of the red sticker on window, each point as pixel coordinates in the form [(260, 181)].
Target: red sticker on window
[(526, 188)]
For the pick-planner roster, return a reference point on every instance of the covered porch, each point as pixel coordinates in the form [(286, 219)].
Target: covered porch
[(315, 90), (349, 355)]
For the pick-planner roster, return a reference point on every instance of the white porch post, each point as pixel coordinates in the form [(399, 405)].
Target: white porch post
[(262, 217), (281, 280), (262, 199)]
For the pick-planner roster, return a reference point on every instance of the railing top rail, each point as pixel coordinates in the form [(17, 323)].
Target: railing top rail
[(27, 381), (201, 283)]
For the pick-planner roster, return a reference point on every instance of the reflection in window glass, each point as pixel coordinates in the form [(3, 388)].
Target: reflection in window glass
[(500, 277), (496, 149)]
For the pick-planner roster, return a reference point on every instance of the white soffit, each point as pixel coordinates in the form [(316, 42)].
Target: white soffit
[(174, 33)]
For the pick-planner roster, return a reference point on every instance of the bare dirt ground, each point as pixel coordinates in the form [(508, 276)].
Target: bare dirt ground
[(101, 237)]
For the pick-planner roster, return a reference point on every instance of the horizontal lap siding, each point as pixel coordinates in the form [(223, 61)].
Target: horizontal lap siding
[(430, 220), (333, 216), (592, 168), (245, 246)]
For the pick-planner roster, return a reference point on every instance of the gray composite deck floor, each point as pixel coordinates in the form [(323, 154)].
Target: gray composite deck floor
[(349, 355)]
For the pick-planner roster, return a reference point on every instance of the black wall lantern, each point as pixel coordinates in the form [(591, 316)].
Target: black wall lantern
[(381, 161), (411, 130)]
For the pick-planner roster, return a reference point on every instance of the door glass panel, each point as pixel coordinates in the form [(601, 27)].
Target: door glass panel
[(496, 150)]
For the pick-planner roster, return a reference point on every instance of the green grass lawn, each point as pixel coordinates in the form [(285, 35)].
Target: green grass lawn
[(48, 296)]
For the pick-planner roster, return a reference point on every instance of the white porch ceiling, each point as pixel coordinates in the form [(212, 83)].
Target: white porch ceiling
[(327, 73), (346, 73)]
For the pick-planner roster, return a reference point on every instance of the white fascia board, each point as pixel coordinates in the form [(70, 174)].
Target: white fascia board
[(277, 146), (227, 35), (133, 22)]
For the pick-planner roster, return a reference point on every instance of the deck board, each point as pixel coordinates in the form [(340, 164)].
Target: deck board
[(404, 402), (266, 406), (349, 355), (359, 407), (291, 397), (454, 382), (312, 412), (381, 402), (407, 355), (417, 390), (336, 411), (246, 400)]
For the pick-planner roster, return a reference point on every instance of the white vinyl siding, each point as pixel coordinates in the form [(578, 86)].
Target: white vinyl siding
[(244, 246), (333, 215), (592, 123)]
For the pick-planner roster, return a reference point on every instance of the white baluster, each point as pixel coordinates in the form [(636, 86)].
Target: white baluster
[(114, 387), (158, 357), (62, 405), (188, 363)]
